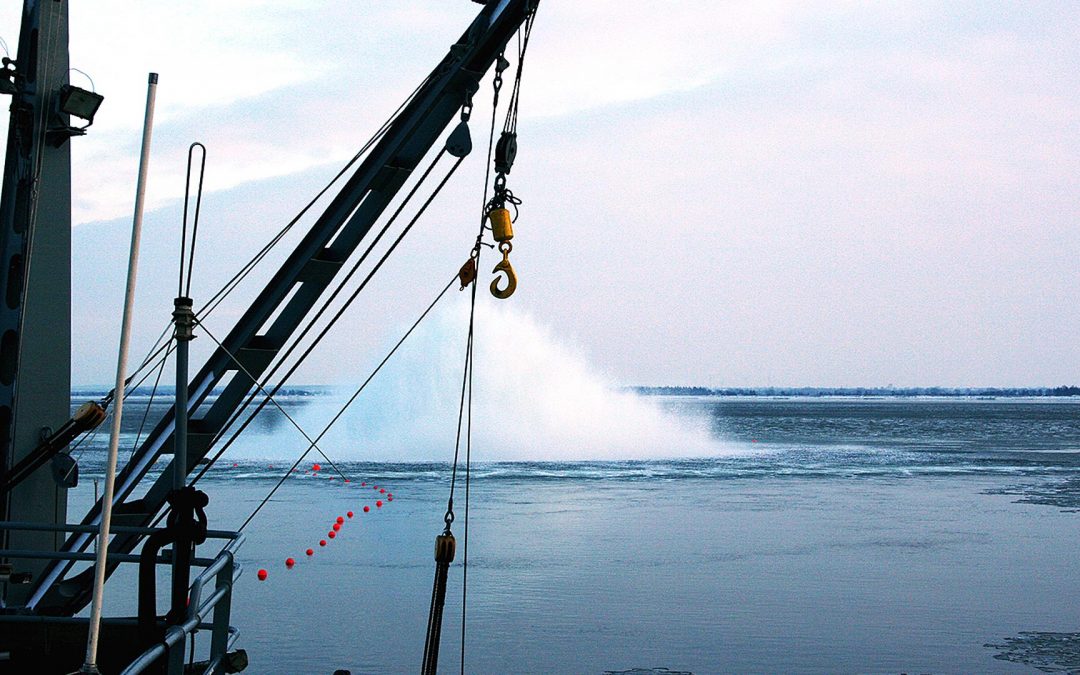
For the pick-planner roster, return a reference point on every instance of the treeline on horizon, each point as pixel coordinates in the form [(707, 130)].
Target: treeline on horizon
[(899, 392)]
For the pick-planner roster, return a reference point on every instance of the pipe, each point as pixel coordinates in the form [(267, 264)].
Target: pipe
[(90, 665)]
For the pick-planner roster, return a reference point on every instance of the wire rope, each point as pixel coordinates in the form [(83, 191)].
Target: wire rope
[(322, 333), (351, 399)]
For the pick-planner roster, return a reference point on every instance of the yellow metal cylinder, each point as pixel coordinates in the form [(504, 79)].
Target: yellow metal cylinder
[(501, 227)]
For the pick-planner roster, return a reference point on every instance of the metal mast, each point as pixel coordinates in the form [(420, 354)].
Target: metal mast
[(35, 272)]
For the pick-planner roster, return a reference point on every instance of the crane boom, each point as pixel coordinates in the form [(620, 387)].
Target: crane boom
[(293, 290)]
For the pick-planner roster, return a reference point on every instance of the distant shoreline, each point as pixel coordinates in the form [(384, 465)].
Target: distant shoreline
[(90, 391), (862, 392)]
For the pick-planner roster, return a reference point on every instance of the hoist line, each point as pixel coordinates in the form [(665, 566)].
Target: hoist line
[(510, 125), (341, 310), (468, 474), (318, 338), (352, 398), (497, 86)]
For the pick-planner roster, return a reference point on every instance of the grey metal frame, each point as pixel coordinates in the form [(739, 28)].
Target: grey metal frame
[(222, 571)]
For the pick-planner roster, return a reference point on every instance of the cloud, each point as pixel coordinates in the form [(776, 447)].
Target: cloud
[(723, 193)]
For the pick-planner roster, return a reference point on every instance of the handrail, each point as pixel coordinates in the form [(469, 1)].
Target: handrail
[(176, 635), (78, 527), (222, 569)]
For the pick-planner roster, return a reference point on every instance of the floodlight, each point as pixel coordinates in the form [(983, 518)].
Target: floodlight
[(79, 102)]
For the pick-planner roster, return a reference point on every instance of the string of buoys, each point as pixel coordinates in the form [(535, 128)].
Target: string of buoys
[(336, 527)]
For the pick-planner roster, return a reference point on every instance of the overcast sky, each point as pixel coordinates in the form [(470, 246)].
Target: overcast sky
[(715, 193)]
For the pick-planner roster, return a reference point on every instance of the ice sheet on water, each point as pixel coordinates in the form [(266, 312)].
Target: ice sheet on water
[(1064, 494), (648, 671), (1045, 652)]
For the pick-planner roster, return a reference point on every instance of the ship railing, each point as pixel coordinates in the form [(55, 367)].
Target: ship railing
[(216, 581)]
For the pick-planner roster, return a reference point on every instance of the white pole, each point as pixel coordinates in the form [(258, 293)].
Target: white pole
[(90, 665)]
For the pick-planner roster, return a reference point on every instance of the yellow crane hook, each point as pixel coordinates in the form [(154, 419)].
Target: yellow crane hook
[(511, 277)]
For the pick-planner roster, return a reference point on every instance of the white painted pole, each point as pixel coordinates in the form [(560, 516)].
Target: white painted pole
[(90, 665)]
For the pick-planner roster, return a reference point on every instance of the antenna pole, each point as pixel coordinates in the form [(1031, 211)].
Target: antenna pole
[(90, 665)]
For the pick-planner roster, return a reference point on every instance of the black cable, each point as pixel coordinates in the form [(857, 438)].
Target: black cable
[(318, 315), (150, 403), (510, 125), (353, 397), (336, 316), (325, 306), (277, 405), (468, 473), (467, 375), (237, 278), (231, 285)]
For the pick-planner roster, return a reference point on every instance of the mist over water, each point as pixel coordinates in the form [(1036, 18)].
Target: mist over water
[(535, 398)]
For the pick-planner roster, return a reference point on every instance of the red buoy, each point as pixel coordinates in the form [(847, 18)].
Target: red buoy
[(340, 520), (310, 551), (349, 514), (366, 509), (262, 575), (289, 562), (322, 542), (346, 480), (363, 483), (389, 494), (331, 534), (315, 467), (379, 504), (389, 498), (234, 465), (374, 487), (383, 491), (337, 527)]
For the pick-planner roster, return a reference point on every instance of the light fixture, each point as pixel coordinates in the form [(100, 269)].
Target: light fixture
[(79, 102), (7, 77), (76, 102)]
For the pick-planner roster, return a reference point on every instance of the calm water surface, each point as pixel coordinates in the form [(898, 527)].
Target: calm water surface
[(843, 536)]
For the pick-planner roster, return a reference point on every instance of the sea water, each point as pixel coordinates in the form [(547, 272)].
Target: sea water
[(819, 535)]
